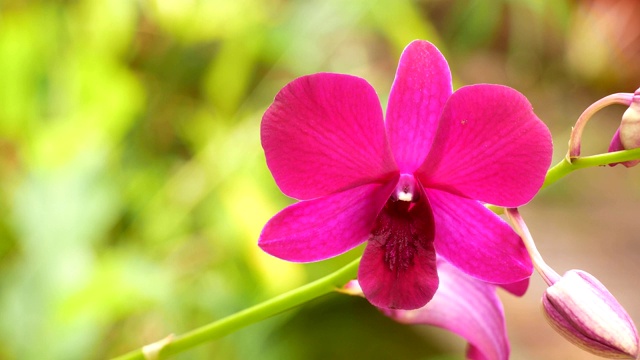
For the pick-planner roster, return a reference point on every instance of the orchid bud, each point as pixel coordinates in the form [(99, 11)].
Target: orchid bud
[(628, 135), (630, 125), (582, 310)]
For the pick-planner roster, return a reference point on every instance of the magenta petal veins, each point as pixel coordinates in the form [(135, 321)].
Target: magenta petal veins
[(489, 143), (318, 229), (457, 220), (324, 134), (398, 268), (421, 88), (326, 143)]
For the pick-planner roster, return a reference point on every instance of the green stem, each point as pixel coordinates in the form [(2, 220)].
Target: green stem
[(564, 167), (337, 279), (255, 313)]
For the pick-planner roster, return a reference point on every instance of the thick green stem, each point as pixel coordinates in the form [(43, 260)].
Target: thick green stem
[(332, 281), (564, 167), (255, 313)]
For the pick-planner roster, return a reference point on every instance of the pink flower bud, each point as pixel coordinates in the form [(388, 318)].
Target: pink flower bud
[(582, 310), (628, 135), (630, 125)]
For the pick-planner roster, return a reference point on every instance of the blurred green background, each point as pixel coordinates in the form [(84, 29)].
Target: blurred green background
[(133, 186)]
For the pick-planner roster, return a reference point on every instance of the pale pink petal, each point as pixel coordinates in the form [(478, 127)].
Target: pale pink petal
[(467, 307), (322, 228), (398, 267), (324, 133), (489, 146), (419, 92), (477, 241)]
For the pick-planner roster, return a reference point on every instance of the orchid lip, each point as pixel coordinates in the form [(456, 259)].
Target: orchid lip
[(398, 266)]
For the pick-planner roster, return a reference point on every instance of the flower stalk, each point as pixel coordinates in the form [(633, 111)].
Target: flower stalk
[(252, 315), (549, 275), (565, 166), (334, 281), (575, 140), (580, 308)]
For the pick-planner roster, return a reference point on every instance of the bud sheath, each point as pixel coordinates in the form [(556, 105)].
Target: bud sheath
[(581, 309)]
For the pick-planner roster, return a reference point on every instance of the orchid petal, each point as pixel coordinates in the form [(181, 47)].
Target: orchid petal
[(616, 143), (419, 92), (477, 241), (322, 228), (490, 146), (467, 307), (324, 133), (517, 288), (398, 267)]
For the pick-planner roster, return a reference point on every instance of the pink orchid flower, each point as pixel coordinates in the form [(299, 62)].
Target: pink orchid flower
[(465, 306), (412, 185)]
